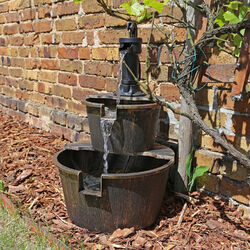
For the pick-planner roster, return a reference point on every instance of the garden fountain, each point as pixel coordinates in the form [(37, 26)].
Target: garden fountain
[(120, 179)]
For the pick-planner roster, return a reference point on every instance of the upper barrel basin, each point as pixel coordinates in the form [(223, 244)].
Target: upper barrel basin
[(135, 126), (129, 195)]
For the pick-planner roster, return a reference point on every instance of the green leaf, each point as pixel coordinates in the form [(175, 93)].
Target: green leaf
[(237, 40), (1, 185), (224, 37), (234, 5), (155, 5), (243, 12), (188, 164), (231, 17), (135, 9), (198, 172), (242, 32), (236, 52), (220, 20), (78, 1), (166, 2)]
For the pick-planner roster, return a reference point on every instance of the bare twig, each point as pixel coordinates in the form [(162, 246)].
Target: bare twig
[(181, 215)]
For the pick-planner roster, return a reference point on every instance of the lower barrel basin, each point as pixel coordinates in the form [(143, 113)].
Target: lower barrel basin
[(130, 195)]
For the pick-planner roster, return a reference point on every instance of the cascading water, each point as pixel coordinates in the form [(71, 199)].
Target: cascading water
[(106, 128), (108, 121), (122, 55)]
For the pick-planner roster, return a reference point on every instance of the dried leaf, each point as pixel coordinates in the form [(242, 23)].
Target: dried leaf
[(122, 233)]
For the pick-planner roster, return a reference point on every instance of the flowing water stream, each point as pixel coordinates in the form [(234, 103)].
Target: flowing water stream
[(108, 121)]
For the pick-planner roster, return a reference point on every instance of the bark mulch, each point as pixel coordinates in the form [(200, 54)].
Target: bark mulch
[(28, 172)]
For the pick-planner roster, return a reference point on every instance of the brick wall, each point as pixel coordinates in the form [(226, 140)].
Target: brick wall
[(54, 53)]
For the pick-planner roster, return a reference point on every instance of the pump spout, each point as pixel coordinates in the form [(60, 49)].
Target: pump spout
[(130, 48)]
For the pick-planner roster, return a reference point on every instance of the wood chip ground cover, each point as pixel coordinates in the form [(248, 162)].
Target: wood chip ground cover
[(27, 169)]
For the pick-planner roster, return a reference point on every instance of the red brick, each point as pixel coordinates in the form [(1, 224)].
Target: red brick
[(48, 52), (2, 18), (47, 76), (84, 53), (11, 17), (50, 38), (71, 66), (43, 26), (73, 37), (225, 100), (44, 12), (111, 85), (79, 93), (105, 54), (31, 40), (23, 52), (4, 7), (238, 191), (44, 88), (32, 64), (66, 24), (26, 27), (94, 82), (219, 73), (67, 78), (50, 64), (4, 71), (40, 2), (90, 37), (16, 40), (172, 11), (16, 72), (77, 107), (157, 36), (98, 68), (67, 8), (17, 62), (10, 29), (92, 21), (111, 36), (62, 91), (28, 14), (55, 102), (117, 3), (19, 4), (111, 21), (3, 41), (91, 6), (241, 125), (170, 92), (68, 53)]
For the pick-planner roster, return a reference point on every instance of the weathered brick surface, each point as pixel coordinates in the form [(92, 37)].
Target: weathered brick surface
[(43, 26), (98, 68), (238, 191), (66, 24), (91, 6), (67, 78), (92, 21), (73, 37), (93, 82), (68, 53)]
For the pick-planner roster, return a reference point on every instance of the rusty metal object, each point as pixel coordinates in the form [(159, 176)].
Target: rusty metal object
[(243, 68), (118, 199), (135, 127)]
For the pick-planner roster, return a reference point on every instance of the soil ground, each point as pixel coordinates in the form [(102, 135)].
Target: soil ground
[(28, 172)]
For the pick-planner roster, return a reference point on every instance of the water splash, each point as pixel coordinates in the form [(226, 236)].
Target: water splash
[(122, 54), (106, 128)]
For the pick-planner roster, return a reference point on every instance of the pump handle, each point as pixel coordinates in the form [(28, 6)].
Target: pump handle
[(132, 27)]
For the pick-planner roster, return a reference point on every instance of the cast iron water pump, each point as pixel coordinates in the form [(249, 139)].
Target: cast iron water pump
[(130, 47)]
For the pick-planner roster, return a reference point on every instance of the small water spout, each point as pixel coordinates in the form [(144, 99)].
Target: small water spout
[(106, 128), (122, 55)]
